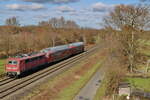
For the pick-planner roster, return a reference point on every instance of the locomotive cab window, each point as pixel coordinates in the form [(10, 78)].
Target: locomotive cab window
[(27, 60), (13, 62)]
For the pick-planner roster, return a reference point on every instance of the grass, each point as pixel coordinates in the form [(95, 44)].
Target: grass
[(70, 83), (144, 42), (72, 90), (144, 50), (2, 68), (140, 83), (144, 47), (143, 67)]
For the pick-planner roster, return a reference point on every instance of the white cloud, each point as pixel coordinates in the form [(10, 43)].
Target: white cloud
[(23, 7), (65, 9), (101, 7), (52, 1)]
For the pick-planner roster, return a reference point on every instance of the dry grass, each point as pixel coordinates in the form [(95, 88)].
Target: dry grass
[(2, 66), (56, 87)]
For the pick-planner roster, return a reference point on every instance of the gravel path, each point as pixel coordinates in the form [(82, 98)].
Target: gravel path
[(89, 90)]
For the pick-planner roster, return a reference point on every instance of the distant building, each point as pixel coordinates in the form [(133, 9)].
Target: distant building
[(124, 89)]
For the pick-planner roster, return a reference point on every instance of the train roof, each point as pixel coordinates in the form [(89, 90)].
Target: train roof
[(25, 56), (42, 52), (55, 49), (76, 44), (62, 47)]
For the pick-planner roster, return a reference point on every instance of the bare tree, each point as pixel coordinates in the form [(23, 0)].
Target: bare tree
[(59, 23), (14, 40), (6, 40), (62, 21), (128, 20), (53, 22), (71, 24), (12, 21), (43, 23), (134, 16), (145, 0)]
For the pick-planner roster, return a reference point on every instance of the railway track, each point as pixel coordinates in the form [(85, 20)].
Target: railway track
[(6, 80), (9, 86)]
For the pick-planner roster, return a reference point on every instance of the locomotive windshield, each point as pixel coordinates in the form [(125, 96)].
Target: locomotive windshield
[(12, 62)]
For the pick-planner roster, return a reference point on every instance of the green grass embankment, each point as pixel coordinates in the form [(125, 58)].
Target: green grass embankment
[(144, 47), (2, 66), (140, 83)]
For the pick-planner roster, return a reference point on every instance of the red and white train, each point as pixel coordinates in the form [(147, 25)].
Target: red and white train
[(24, 62)]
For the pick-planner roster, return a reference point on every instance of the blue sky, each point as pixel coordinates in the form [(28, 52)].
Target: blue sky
[(87, 13)]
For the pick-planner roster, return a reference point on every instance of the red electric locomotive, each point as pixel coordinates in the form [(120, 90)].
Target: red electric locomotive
[(24, 62), (21, 63)]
